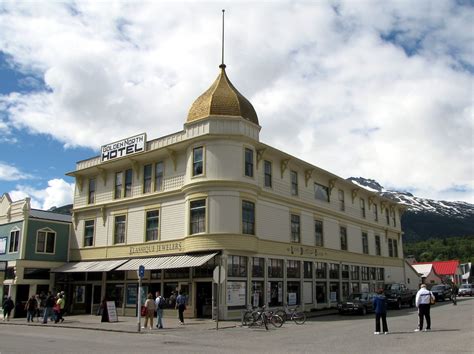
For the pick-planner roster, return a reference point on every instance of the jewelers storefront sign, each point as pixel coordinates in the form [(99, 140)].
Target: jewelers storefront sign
[(122, 148)]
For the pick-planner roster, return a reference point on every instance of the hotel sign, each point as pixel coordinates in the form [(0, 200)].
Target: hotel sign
[(122, 148)]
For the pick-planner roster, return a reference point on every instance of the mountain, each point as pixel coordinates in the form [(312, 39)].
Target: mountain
[(426, 218), (65, 209)]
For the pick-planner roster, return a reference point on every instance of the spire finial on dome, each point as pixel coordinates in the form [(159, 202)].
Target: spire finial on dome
[(222, 66)]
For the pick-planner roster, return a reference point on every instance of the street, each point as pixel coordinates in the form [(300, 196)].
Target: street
[(452, 332)]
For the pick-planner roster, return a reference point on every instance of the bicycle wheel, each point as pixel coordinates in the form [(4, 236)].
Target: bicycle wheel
[(282, 314), (247, 319), (276, 321), (299, 318), (264, 320)]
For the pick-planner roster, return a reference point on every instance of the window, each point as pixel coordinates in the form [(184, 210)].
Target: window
[(387, 216), (249, 162), (267, 173), (355, 272), (321, 293), (394, 220), (333, 271), (14, 241), (159, 176), (198, 160), (365, 273), (343, 236), (91, 195), (318, 233), (321, 270), (321, 192), (152, 222), (45, 241), (345, 271), (119, 230), (89, 233), (377, 245), (118, 185), (293, 269), (147, 172), (380, 274), (308, 270), (390, 247), (198, 216), (128, 182), (342, 205), (275, 268), (294, 182), (362, 207), (376, 212), (258, 267), (237, 266), (295, 228), (372, 273), (248, 218), (395, 248), (365, 243)]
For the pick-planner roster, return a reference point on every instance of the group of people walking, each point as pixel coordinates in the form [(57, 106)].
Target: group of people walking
[(423, 301), (157, 305), (42, 306)]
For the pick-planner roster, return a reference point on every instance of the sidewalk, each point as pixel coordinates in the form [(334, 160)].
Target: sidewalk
[(130, 324)]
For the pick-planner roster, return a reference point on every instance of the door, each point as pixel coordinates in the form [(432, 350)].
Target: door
[(22, 292), (204, 299)]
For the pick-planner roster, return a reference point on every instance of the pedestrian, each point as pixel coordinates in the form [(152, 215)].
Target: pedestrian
[(8, 306), (181, 306), (380, 307), (30, 307), (59, 309), (48, 307), (423, 303), (38, 307), (454, 294), (103, 310), (160, 304), (150, 311)]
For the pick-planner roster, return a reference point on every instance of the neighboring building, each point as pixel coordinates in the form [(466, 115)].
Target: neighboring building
[(412, 277), (428, 273), (467, 273), (31, 242), (448, 271), (285, 231)]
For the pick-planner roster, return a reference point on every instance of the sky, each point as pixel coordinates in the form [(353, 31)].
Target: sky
[(378, 89)]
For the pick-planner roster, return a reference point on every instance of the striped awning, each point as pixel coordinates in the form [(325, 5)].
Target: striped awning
[(168, 262), (89, 266)]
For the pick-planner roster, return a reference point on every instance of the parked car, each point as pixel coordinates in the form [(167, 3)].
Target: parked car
[(399, 294), (466, 289), (357, 303), (441, 292)]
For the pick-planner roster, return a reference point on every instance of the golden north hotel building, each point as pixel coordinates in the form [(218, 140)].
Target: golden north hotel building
[(285, 231)]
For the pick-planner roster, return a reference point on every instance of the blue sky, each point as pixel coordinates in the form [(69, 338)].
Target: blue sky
[(367, 88)]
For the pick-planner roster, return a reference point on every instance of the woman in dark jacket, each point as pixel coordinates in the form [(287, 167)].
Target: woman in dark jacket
[(380, 307), (8, 306)]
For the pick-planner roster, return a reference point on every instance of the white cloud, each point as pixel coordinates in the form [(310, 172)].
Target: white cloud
[(58, 193), (11, 173), (375, 89)]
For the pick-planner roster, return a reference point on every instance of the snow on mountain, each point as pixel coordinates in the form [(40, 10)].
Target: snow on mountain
[(417, 204)]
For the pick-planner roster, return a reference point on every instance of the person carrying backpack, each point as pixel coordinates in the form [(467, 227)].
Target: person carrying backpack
[(160, 304)]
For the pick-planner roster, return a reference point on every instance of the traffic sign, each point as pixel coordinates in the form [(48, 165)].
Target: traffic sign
[(216, 274), (141, 271)]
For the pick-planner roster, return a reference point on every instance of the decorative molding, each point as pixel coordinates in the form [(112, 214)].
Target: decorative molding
[(383, 205), (103, 211), (74, 219), (371, 201), (79, 182), (284, 166), (332, 184), (173, 156), (103, 175), (307, 175), (355, 191), (260, 153)]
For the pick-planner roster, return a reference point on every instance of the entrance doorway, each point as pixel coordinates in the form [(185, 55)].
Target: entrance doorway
[(22, 294), (204, 299)]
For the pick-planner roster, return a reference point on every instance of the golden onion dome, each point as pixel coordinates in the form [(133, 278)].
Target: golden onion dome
[(222, 99)]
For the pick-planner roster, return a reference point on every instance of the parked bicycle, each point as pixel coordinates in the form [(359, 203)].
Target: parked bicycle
[(261, 317), (292, 314)]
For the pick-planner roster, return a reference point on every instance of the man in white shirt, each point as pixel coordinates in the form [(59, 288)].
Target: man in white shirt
[(423, 303)]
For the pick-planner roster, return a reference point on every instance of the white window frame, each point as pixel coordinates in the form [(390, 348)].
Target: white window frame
[(46, 231)]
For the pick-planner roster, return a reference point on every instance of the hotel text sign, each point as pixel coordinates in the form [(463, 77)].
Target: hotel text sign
[(122, 148)]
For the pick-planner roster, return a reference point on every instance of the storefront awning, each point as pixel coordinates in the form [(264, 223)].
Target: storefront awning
[(169, 262), (92, 266)]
